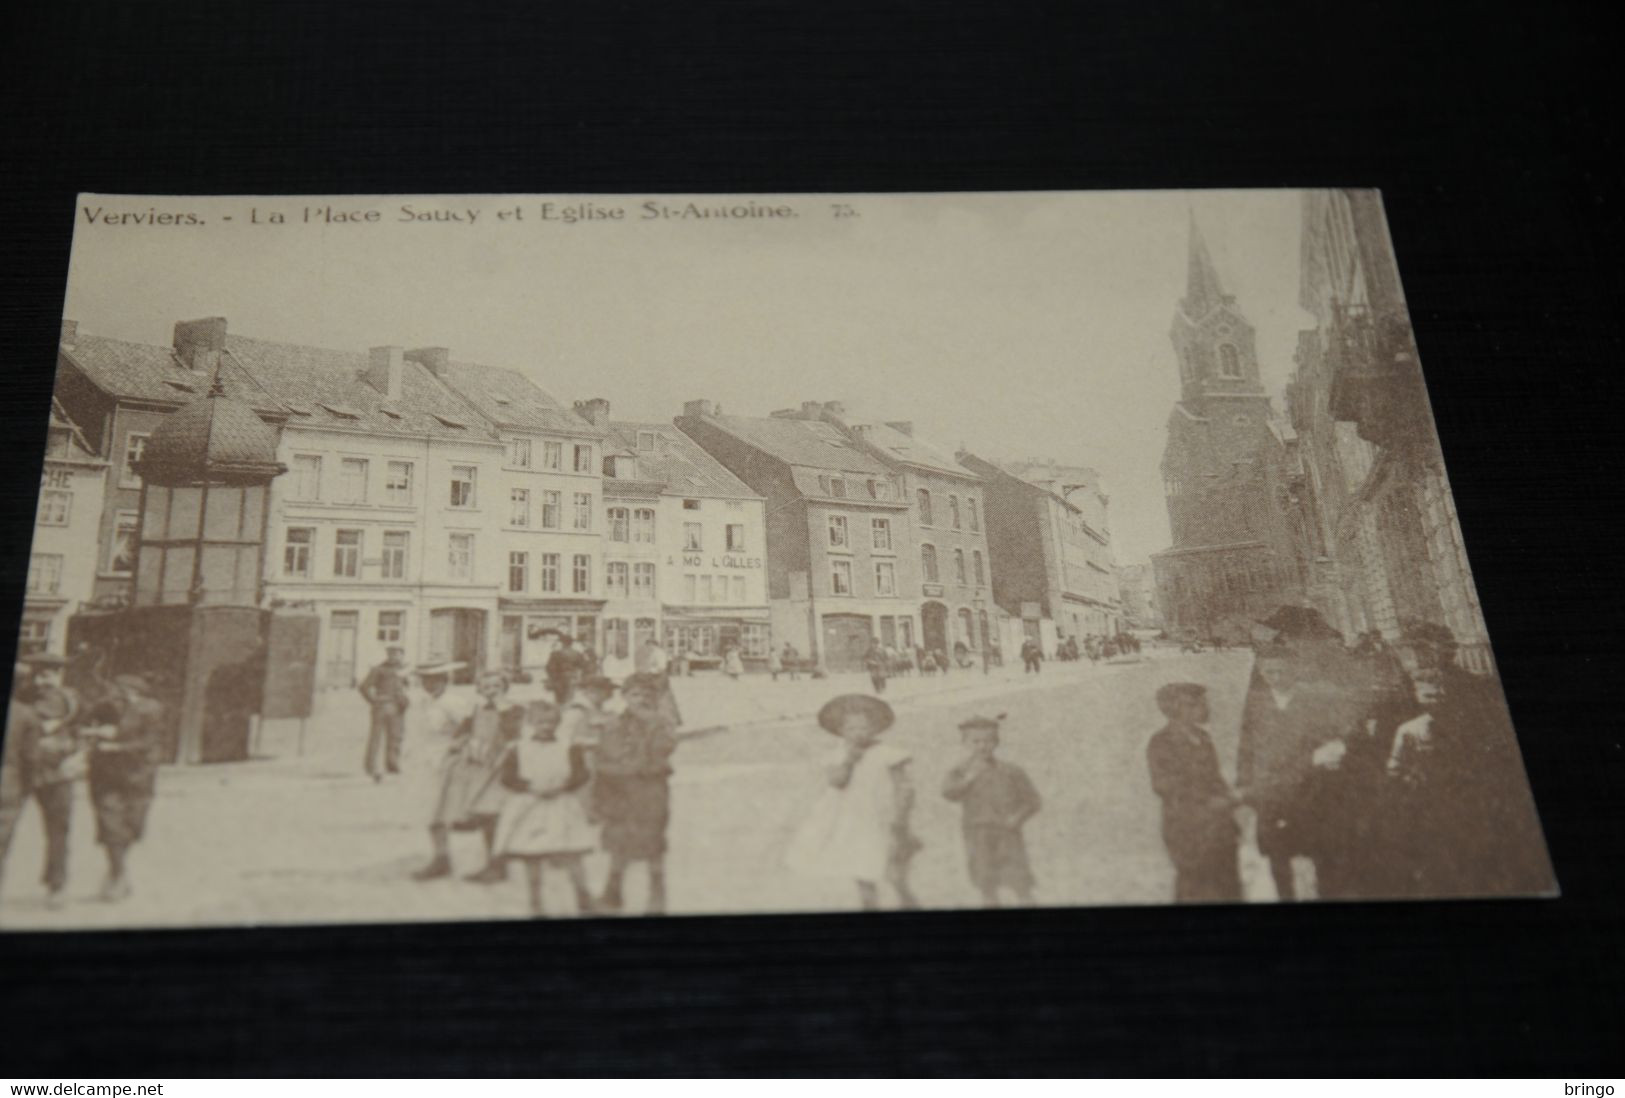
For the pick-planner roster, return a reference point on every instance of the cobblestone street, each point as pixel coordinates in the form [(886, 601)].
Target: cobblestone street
[(306, 838)]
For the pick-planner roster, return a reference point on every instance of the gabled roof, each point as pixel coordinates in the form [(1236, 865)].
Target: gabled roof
[(510, 399), (324, 388), (678, 463), (911, 450), (78, 449), (140, 371), (810, 443)]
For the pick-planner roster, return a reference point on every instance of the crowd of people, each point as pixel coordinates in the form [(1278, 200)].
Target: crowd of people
[(1361, 776)]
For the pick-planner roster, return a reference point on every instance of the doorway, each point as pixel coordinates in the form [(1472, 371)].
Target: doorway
[(458, 634), (342, 630), (934, 626)]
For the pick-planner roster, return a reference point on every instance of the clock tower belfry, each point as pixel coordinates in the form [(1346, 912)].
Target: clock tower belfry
[(1213, 342)]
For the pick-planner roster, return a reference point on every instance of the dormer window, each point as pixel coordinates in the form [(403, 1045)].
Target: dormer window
[(454, 424), (646, 440), (341, 412)]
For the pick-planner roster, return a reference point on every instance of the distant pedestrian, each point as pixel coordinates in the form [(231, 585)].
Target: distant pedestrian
[(632, 791), (1032, 656), (775, 663), (874, 661), (566, 666), (997, 798), (543, 823), (733, 665), (859, 828), (385, 691), (792, 661), (1198, 808), (124, 776)]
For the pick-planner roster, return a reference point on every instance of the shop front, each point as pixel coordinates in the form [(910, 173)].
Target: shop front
[(702, 636), (531, 628)]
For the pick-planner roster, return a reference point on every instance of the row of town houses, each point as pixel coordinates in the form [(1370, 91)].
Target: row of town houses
[(461, 512)]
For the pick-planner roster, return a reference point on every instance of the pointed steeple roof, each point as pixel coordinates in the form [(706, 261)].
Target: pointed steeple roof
[(1202, 288)]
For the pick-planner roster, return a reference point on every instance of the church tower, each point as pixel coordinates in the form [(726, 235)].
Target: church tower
[(1225, 464)]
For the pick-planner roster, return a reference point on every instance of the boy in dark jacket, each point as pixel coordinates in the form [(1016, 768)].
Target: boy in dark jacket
[(1198, 820), (997, 799)]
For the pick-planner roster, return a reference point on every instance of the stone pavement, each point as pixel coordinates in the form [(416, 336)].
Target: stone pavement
[(307, 838)]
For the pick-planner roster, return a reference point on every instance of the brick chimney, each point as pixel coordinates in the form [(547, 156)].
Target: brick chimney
[(433, 359), (385, 369), (594, 411), (70, 333), (902, 426), (198, 343), (698, 408)]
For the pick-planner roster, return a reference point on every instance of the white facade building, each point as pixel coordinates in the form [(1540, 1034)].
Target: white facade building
[(62, 565)]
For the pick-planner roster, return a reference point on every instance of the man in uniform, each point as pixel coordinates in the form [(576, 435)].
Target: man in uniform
[(385, 691)]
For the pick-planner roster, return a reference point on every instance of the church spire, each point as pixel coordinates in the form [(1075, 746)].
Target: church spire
[(1202, 288)]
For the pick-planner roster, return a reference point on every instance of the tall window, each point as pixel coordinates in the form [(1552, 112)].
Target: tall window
[(398, 483), (840, 578), (880, 532), (837, 531), (44, 573), (552, 455), (519, 453), (736, 537), (756, 639), (581, 575), (307, 477), (643, 580), (583, 511), (693, 536), (924, 499), (885, 577), (519, 507), (390, 625), (296, 546), (708, 589), (134, 446), (550, 511), (462, 485), (121, 555), (976, 567), (55, 506), (617, 639), (619, 524), (1229, 361), (617, 579), (550, 573), (691, 589), (959, 565), (460, 556), (953, 511), (394, 557), (967, 635), (737, 588), (928, 563), (347, 553), (975, 515), (643, 526), (518, 571), (583, 458), (352, 480)]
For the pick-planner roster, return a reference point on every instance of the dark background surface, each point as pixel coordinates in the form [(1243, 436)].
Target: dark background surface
[(1487, 129)]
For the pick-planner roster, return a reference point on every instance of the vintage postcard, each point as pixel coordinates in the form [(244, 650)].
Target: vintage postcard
[(472, 557)]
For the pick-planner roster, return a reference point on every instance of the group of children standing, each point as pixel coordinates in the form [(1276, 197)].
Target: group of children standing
[(547, 784)]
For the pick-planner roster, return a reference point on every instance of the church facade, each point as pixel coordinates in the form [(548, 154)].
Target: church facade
[(1230, 474)]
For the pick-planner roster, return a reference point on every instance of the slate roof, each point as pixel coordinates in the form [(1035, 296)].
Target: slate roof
[(140, 371), (324, 388), (914, 451), (810, 443), (510, 399), (677, 462)]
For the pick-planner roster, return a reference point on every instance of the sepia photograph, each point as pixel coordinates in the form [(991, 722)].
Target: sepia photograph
[(456, 558)]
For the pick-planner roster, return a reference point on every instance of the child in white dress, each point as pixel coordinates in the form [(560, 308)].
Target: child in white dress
[(859, 826), (543, 821)]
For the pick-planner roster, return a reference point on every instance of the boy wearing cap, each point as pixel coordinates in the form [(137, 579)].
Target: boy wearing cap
[(631, 792), (997, 799), (1198, 818)]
